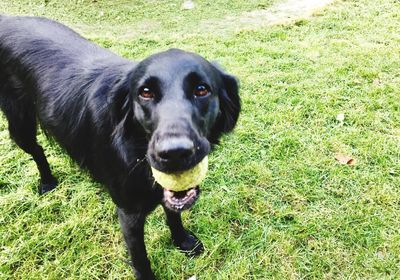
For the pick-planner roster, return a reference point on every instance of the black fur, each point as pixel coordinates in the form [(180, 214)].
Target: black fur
[(89, 100)]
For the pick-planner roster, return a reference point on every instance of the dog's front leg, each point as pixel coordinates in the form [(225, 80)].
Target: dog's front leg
[(183, 239), (132, 225)]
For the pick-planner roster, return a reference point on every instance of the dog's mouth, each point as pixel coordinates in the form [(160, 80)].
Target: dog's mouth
[(179, 201)]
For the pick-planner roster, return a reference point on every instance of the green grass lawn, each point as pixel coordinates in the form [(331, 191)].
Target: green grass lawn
[(276, 204)]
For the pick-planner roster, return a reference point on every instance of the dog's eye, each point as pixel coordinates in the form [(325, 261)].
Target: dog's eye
[(201, 90), (146, 93)]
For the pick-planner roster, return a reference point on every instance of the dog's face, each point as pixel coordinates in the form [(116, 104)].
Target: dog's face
[(184, 103)]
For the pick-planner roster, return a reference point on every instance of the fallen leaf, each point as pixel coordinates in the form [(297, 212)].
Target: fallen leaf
[(340, 117), (357, 81), (343, 159), (188, 5), (376, 82), (192, 278)]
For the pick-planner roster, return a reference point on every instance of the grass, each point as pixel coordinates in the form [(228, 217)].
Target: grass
[(276, 204)]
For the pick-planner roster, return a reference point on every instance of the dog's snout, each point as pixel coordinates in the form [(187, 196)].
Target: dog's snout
[(173, 149)]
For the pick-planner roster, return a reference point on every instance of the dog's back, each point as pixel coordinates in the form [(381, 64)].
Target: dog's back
[(49, 72), (36, 44)]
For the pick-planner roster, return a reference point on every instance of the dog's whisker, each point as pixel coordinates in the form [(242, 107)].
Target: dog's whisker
[(154, 184), (140, 161)]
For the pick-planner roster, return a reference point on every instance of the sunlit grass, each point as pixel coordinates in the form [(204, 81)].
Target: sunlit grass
[(276, 204)]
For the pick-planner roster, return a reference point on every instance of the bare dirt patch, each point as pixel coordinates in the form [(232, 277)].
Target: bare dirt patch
[(281, 13), (284, 12)]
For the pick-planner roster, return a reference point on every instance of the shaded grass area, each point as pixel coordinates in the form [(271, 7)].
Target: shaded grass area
[(105, 19), (276, 204)]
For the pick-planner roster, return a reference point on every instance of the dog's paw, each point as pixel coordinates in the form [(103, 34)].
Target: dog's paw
[(44, 188), (190, 245), (145, 276)]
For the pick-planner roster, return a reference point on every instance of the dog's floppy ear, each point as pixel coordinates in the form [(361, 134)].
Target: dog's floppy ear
[(124, 128), (229, 105)]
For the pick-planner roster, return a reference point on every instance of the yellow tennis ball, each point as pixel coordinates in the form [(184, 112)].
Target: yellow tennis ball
[(184, 180)]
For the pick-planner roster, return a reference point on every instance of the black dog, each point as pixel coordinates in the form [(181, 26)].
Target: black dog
[(115, 117)]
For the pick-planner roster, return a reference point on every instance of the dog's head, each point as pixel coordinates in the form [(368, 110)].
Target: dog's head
[(184, 103)]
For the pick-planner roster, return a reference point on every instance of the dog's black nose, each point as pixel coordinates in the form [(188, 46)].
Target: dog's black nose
[(177, 148)]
